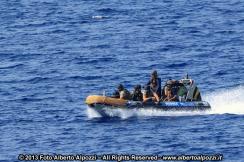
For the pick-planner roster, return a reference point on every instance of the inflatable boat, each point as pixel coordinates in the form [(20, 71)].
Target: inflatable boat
[(190, 102)]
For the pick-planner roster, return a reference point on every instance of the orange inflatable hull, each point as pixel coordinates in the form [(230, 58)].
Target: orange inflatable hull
[(95, 99)]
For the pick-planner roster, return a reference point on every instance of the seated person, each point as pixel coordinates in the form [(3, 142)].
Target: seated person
[(123, 93), (137, 94), (148, 95), (170, 90), (154, 90), (182, 93), (169, 96), (155, 86)]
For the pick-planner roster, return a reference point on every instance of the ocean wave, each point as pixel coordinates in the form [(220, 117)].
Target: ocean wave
[(77, 77), (177, 65), (11, 66), (96, 60), (106, 10)]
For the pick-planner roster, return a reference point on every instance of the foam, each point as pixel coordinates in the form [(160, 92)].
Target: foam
[(230, 101)]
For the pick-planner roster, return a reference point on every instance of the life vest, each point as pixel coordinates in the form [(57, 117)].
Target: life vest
[(137, 96)]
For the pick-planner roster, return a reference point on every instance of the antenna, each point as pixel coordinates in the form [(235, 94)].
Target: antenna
[(187, 76)]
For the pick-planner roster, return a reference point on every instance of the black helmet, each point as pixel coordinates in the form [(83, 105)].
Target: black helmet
[(120, 87), (169, 82), (154, 74), (138, 87)]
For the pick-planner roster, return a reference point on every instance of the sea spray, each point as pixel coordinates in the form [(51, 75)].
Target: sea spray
[(92, 113), (229, 100)]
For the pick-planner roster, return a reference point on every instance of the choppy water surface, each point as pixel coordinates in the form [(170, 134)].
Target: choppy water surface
[(53, 53)]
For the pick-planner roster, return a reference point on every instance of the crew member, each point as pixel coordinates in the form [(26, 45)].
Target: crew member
[(137, 94), (155, 86), (123, 93)]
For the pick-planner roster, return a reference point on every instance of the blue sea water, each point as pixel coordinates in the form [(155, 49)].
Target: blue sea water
[(54, 53)]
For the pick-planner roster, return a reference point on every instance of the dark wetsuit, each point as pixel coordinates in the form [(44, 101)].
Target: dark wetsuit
[(137, 96)]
